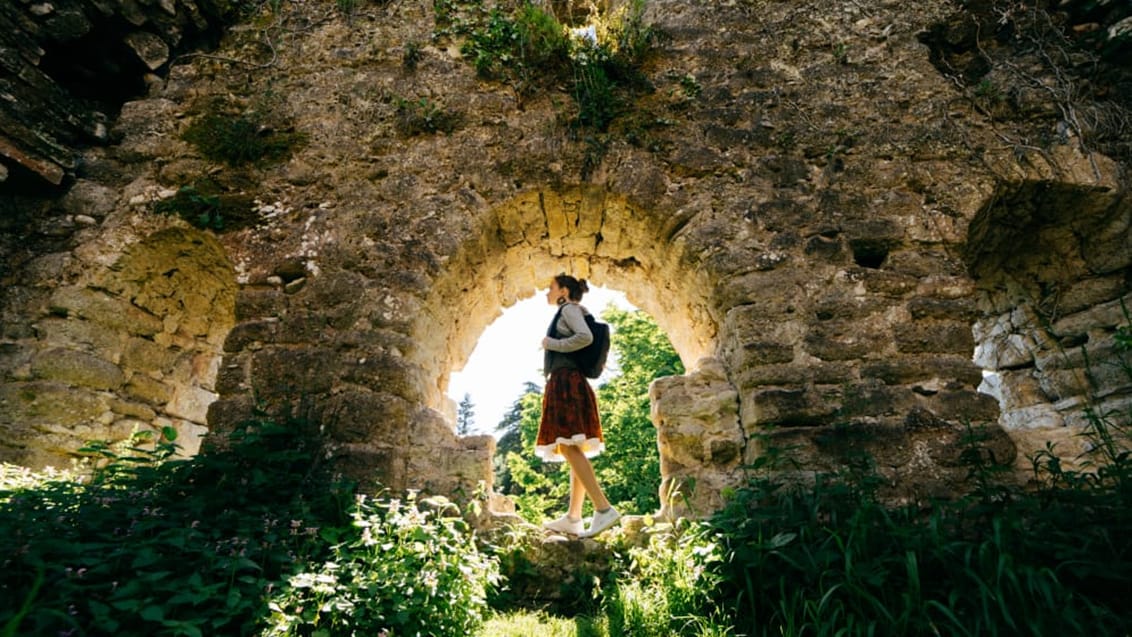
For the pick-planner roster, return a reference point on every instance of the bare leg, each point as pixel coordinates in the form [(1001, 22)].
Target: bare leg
[(584, 472), (577, 496)]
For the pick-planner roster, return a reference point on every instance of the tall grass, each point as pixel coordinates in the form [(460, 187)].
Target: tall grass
[(831, 559)]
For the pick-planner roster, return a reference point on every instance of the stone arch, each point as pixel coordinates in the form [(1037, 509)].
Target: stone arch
[(126, 335), (604, 237), (1051, 260), (586, 231)]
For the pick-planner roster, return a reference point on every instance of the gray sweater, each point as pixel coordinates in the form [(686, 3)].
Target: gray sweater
[(573, 334)]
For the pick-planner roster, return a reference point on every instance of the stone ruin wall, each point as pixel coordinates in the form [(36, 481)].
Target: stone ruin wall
[(828, 233)]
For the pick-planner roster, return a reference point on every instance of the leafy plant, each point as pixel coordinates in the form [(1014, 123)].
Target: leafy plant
[(205, 205), (530, 49), (629, 469), (411, 56), (667, 585), (203, 211), (239, 139), (423, 116), (154, 545), (408, 567)]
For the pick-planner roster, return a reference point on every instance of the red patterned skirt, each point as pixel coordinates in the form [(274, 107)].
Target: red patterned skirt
[(569, 416)]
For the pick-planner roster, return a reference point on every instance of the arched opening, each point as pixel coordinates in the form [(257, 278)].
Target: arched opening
[(507, 363), (127, 339), (507, 357), (604, 238), (1052, 267), (521, 243)]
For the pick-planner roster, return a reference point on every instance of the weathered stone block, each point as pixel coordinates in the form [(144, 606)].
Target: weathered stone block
[(89, 198), (949, 451), (381, 371), (962, 406), (142, 354), (1103, 316), (225, 414), (936, 337), (302, 327), (114, 313), (285, 374), (76, 368), (190, 402), (248, 332), (794, 375), (889, 284), (375, 417), (843, 340), (40, 402), (232, 375), (1041, 416), (789, 407), (903, 370), (954, 309), (134, 410), (149, 390), (257, 302), (873, 399), (80, 334)]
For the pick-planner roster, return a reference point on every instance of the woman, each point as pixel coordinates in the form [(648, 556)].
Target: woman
[(570, 429)]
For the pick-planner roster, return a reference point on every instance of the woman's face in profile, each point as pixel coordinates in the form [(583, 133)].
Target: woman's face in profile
[(554, 292)]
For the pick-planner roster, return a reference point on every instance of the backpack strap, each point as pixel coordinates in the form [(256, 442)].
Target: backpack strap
[(552, 331)]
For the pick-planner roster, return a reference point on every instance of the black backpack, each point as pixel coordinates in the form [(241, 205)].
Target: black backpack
[(591, 358)]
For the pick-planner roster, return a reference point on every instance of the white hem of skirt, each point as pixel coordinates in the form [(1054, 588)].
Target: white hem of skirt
[(590, 447)]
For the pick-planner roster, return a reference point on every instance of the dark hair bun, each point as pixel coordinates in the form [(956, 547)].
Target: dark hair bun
[(583, 286)]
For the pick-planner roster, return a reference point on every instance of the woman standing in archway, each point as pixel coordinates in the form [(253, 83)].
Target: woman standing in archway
[(570, 428)]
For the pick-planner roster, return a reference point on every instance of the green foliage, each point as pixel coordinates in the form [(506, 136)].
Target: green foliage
[(411, 56), (237, 140), (424, 117), (205, 205), (410, 568), (152, 545), (668, 586), (629, 470), (530, 49), (830, 558), (203, 211)]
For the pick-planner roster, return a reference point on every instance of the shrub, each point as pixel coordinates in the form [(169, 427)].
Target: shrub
[(407, 567), (240, 139), (150, 545), (424, 117), (530, 49), (206, 206)]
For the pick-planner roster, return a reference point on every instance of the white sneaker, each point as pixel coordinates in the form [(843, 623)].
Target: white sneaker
[(602, 521), (565, 525)]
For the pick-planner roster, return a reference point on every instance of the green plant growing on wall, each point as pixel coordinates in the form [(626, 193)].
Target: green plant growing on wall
[(411, 56), (530, 49), (203, 211), (206, 206), (241, 139), (424, 117)]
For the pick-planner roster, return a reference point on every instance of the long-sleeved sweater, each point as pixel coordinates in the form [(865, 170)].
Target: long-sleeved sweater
[(573, 335)]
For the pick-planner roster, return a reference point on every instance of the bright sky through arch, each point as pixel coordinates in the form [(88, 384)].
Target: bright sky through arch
[(509, 353)]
